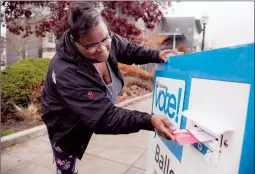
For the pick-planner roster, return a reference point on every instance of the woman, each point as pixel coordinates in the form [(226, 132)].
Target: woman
[(83, 82)]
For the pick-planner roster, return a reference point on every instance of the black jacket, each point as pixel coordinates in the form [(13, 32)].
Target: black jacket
[(74, 100)]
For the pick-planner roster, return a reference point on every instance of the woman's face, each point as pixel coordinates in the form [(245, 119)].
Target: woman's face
[(96, 45)]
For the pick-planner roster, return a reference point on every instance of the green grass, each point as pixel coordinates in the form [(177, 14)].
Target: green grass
[(7, 132)]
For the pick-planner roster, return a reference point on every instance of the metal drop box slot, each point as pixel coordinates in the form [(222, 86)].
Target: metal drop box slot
[(212, 126)]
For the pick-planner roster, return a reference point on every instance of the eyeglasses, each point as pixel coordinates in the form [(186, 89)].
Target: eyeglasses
[(93, 47)]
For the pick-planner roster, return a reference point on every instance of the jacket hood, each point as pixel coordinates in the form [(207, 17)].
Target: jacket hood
[(66, 48)]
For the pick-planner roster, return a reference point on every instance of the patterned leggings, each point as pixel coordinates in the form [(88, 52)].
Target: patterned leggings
[(65, 163)]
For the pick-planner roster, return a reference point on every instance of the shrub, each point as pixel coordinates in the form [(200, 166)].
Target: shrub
[(20, 80), (128, 70), (182, 48), (129, 81), (5, 103), (29, 113), (154, 40), (125, 91), (128, 92)]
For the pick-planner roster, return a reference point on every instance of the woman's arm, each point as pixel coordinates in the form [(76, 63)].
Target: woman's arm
[(130, 53)]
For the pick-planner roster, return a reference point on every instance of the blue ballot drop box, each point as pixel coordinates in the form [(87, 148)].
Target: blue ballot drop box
[(212, 90)]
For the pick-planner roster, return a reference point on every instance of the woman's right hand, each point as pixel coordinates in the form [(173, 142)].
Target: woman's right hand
[(163, 126)]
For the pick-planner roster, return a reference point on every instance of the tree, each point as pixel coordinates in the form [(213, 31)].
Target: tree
[(149, 12), (2, 51), (33, 17), (53, 17), (22, 45), (2, 44), (154, 41)]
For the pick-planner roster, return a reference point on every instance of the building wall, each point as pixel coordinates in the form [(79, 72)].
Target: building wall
[(49, 41), (32, 44), (48, 46), (48, 55), (183, 25)]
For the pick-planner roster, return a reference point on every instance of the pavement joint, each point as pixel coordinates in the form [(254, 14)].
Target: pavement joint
[(123, 161), (35, 132), (132, 165), (28, 161), (108, 159), (25, 161)]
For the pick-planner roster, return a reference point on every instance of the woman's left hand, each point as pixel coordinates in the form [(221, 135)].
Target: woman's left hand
[(165, 53)]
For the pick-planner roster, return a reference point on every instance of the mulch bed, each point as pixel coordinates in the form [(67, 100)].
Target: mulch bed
[(17, 126), (136, 91)]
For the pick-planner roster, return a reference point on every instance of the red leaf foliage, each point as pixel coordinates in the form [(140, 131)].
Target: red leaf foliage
[(31, 17)]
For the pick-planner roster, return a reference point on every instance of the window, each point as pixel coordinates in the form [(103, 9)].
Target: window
[(177, 29), (189, 29), (51, 38), (49, 50)]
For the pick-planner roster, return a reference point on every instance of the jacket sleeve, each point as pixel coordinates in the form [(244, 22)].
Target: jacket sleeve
[(130, 53), (93, 108)]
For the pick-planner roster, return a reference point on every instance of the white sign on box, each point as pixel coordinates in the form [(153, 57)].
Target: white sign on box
[(168, 99)]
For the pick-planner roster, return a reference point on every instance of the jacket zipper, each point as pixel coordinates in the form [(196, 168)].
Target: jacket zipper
[(95, 71)]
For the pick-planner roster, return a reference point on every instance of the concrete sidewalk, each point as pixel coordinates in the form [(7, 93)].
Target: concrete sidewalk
[(106, 154)]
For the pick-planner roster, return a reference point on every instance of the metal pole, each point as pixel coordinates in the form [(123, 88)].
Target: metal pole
[(203, 41), (174, 42)]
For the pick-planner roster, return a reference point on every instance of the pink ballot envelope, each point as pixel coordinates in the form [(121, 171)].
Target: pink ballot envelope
[(191, 136)]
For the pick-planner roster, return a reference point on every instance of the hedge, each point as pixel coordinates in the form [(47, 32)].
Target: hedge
[(129, 70), (25, 77), (20, 79)]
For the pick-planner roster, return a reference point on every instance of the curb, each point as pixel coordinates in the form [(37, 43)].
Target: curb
[(130, 101), (21, 136)]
